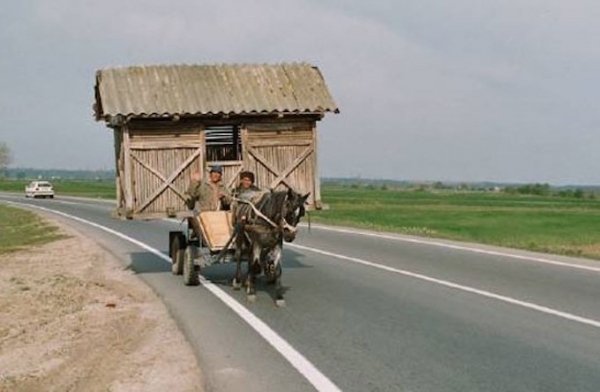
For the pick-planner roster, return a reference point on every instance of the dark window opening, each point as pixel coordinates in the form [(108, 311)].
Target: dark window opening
[(223, 143)]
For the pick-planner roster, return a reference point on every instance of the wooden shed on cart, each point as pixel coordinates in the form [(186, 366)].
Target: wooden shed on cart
[(169, 121)]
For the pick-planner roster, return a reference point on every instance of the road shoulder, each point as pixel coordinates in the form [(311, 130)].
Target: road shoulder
[(72, 318)]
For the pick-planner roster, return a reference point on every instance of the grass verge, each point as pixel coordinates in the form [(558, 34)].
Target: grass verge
[(20, 229), (558, 225)]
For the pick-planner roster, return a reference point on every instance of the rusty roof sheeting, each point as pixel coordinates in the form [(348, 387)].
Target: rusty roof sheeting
[(155, 91)]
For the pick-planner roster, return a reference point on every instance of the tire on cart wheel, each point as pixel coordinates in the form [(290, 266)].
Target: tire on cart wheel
[(190, 275), (177, 253)]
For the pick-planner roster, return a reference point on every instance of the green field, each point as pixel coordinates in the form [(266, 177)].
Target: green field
[(20, 229), (561, 225), (552, 224)]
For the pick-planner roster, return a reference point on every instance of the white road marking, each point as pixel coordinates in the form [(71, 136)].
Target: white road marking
[(446, 245), (488, 294), (68, 202), (458, 247), (297, 360)]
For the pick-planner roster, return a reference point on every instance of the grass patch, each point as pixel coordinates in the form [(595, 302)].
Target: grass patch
[(96, 189), (568, 226), (21, 229)]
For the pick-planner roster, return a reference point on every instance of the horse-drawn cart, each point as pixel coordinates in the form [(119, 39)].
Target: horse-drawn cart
[(252, 232), (206, 240)]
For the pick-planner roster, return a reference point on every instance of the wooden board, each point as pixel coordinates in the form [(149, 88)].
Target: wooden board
[(216, 227)]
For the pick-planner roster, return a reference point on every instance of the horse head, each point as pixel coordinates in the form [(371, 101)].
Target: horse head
[(293, 210)]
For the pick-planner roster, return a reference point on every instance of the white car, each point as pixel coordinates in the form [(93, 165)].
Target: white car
[(39, 189)]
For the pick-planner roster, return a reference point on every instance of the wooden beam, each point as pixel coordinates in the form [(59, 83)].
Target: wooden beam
[(276, 143), (279, 126), (117, 145), (128, 188), (202, 139), (317, 180), (146, 145)]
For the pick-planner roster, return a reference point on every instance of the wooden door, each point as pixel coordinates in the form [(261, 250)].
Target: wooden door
[(283, 156), (160, 165)]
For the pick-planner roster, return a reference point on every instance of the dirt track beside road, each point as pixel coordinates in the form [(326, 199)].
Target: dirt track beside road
[(72, 318)]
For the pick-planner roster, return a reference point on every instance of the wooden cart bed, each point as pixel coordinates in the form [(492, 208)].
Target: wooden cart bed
[(216, 227)]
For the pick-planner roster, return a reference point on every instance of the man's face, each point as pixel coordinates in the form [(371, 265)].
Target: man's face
[(245, 182), (215, 177)]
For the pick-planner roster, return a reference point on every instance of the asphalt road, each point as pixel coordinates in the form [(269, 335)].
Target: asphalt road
[(368, 312)]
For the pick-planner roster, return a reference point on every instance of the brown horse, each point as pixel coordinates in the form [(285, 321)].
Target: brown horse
[(261, 229)]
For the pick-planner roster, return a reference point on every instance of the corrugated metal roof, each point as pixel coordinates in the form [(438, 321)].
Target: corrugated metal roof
[(149, 91)]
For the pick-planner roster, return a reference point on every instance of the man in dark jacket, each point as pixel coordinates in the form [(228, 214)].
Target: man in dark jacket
[(246, 189)]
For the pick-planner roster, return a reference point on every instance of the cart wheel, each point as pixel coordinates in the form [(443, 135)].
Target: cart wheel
[(176, 257), (190, 275)]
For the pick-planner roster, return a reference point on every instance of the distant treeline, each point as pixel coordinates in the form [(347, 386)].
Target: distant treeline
[(58, 174), (538, 189), (547, 190)]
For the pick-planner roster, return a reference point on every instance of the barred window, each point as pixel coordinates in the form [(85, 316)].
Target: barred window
[(223, 143)]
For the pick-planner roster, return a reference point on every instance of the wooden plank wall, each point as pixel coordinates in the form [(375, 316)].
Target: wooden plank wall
[(148, 152)]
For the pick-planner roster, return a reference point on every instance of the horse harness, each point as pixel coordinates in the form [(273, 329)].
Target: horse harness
[(252, 225)]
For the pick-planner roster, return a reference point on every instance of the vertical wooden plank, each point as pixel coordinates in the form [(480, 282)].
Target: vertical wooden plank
[(127, 169), (201, 162), (317, 179), (145, 183), (158, 204), (122, 171), (117, 141), (136, 176), (245, 156)]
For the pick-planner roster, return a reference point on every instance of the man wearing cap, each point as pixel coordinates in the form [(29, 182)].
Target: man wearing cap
[(209, 195), (246, 189)]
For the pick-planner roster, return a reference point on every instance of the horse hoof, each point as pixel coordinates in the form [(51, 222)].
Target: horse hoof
[(236, 284), (280, 303), (252, 297)]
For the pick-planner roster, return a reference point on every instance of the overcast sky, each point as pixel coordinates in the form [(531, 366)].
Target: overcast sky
[(429, 90)]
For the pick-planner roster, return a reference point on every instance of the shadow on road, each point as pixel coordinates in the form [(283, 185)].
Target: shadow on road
[(220, 274), (146, 262)]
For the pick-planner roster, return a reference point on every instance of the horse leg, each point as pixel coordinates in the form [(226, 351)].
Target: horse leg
[(237, 280), (276, 255), (253, 263)]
